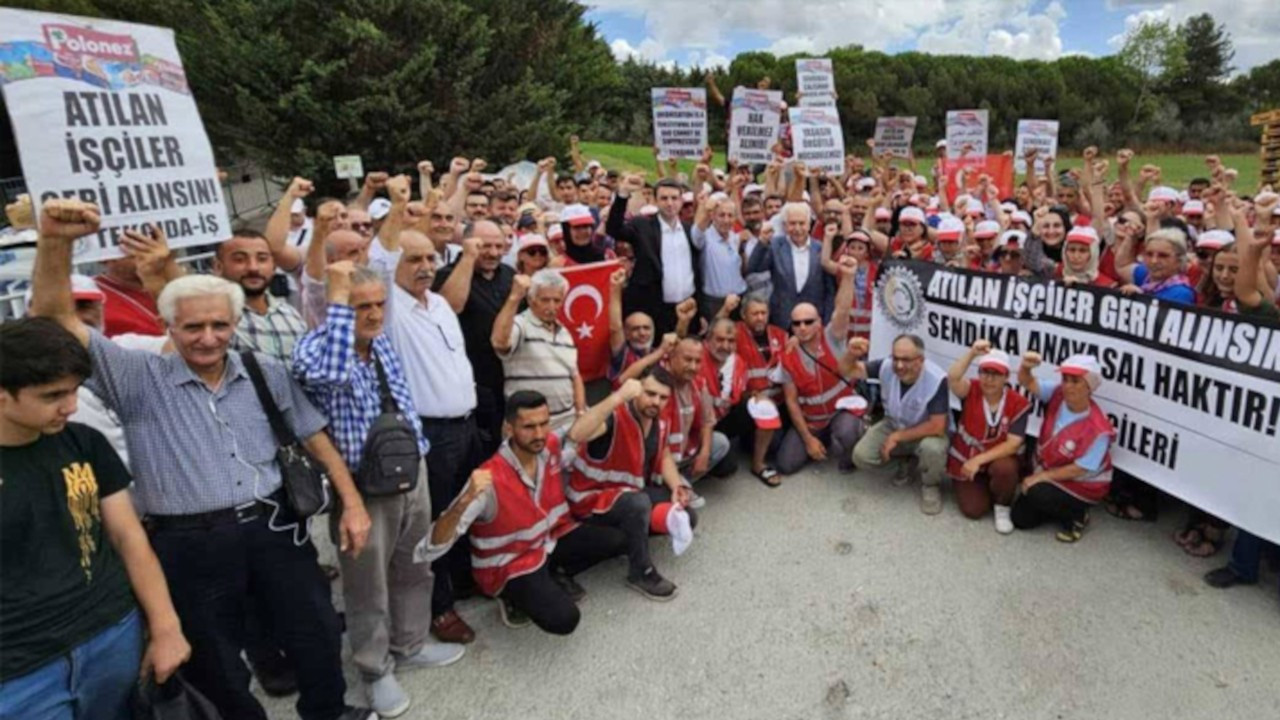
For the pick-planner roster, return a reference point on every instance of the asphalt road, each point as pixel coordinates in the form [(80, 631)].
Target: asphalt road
[(834, 597)]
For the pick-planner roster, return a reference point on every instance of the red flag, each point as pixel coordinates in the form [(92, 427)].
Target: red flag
[(585, 314), (999, 167)]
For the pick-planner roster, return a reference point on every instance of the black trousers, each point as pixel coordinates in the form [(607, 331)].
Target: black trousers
[(215, 574), (630, 514), (541, 598), (1046, 502), (455, 452)]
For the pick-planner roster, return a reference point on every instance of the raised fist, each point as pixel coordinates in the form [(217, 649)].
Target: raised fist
[(618, 278), (981, 347), (1031, 360), (859, 347), (299, 188), (458, 165), (520, 286), (731, 303), (399, 190), (630, 390), (1123, 157), (478, 165), (425, 167), (68, 219), (375, 180)]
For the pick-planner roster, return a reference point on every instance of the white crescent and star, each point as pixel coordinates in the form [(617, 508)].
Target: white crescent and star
[(585, 328)]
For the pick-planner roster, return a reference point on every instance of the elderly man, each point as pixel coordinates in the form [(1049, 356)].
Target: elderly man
[(631, 346), (794, 267), (916, 413), (814, 385), (713, 234), (269, 325), (425, 331), (760, 345), (537, 351), (349, 368), (212, 495), (477, 287), (666, 267), (527, 547)]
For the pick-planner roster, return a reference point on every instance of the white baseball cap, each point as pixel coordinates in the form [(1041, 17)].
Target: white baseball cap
[(577, 214), (297, 207), (1083, 234), (765, 413), (1163, 193), (1013, 238), (1085, 366), (1214, 239), (986, 229), (1193, 207), (995, 360), (951, 228), (1020, 216), (379, 208), (911, 212)]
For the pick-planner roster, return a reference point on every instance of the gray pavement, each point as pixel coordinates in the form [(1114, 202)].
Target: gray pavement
[(834, 597)]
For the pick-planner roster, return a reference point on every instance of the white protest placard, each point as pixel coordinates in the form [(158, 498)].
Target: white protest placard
[(814, 76), (967, 135), (754, 117), (102, 112), (1193, 394), (1039, 134), (348, 167), (894, 136), (817, 101), (680, 122), (817, 139)]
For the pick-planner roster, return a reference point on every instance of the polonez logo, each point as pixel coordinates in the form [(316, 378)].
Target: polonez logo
[(81, 41)]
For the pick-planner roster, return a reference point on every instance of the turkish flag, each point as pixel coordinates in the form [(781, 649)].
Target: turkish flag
[(585, 314), (999, 167)]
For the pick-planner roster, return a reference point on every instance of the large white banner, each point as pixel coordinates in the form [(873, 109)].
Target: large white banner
[(1194, 394), (680, 122), (1039, 134), (101, 112), (817, 139), (754, 118), (814, 76), (894, 136), (967, 135)]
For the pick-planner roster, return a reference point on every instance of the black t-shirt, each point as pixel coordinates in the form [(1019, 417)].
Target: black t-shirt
[(598, 449), (939, 404), (61, 581), (484, 302)]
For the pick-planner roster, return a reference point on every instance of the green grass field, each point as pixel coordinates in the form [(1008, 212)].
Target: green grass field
[(1178, 169)]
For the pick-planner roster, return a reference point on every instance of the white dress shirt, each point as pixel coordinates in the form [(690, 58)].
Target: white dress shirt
[(677, 263), (429, 339), (800, 259)]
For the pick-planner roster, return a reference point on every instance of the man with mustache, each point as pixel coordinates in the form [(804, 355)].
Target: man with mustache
[(269, 325)]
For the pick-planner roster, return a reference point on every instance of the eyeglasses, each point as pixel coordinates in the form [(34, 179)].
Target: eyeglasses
[(906, 360), (804, 321)]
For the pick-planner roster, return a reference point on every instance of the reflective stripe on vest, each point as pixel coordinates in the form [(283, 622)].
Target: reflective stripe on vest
[(543, 527), (825, 397), (600, 475)]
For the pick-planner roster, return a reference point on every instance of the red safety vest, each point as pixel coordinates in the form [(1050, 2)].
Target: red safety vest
[(684, 445), (817, 391), (975, 435), (525, 528), (724, 383), (757, 367), (1070, 444), (595, 485)]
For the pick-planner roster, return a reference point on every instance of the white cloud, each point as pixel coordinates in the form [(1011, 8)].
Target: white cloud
[(649, 49)]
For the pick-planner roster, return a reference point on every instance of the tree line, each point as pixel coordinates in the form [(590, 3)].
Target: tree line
[(291, 83)]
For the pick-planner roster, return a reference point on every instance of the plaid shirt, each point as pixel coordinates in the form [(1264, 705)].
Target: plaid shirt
[(346, 389), (273, 333)]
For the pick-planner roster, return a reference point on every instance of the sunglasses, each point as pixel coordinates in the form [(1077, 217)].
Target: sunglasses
[(535, 251), (909, 224), (1204, 254), (361, 226), (804, 321)]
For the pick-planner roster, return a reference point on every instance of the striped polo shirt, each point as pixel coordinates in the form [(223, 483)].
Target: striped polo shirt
[(543, 359)]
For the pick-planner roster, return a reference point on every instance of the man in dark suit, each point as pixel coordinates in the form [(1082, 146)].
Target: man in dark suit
[(666, 259), (794, 264)]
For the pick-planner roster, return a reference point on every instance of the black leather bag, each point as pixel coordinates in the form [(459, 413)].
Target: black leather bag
[(174, 700), (390, 460), (306, 481)]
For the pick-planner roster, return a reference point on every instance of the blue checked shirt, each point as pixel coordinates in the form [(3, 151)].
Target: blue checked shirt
[(346, 389), (193, 449)]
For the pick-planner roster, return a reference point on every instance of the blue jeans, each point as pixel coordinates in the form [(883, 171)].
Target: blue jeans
[(93, 680), (1246, 555)]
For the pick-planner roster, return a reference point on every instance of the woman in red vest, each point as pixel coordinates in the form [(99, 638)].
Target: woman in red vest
[(983, 461), (1073, 459)]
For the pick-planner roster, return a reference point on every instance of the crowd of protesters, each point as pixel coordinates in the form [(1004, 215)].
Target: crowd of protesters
[(411, 346)]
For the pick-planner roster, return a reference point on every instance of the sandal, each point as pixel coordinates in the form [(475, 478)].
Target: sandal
[(1125, 511), (769, 476), (1208, 545), (1072, 534), (1189, 536)]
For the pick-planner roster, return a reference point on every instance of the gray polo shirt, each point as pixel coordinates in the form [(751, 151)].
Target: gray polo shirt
[(192, 449)]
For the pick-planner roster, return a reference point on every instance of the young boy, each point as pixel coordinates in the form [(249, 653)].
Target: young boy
[(71, 546)]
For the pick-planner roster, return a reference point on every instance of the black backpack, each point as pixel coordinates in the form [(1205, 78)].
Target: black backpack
[(390, 461)]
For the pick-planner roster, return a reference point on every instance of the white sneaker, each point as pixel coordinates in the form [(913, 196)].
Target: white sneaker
[(1004, 523), (387, 698), (432, 655), (696, 501)]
